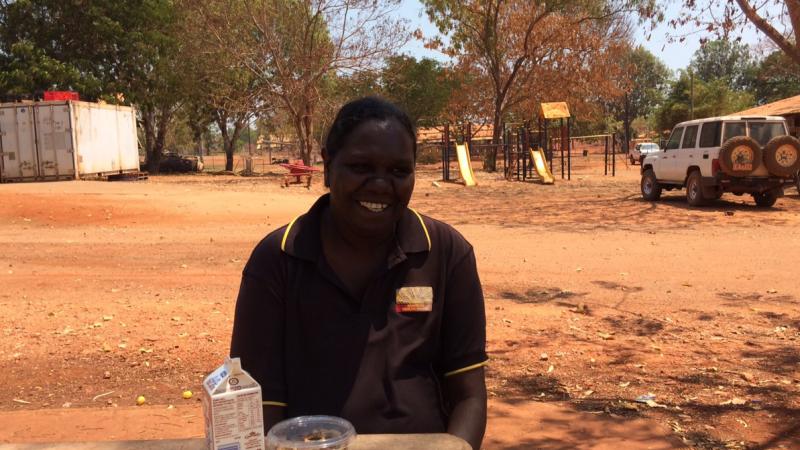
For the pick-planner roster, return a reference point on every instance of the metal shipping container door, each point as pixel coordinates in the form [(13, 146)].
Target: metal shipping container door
[(18, 143), (54, 136), (96, 138), (128, 141)]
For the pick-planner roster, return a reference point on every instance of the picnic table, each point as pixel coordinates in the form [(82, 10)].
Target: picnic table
[(363, 442), (298, 173)]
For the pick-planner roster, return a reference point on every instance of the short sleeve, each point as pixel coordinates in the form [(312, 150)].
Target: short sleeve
[(258, 326), (464, 319)]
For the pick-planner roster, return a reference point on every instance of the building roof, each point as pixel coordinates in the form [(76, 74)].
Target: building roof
[(783, 107)]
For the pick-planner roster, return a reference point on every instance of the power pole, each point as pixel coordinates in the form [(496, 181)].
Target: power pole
[(691, 94), (627, 124)]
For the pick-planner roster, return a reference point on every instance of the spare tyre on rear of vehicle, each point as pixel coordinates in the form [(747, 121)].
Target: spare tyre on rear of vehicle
[(782, 156), (739, 156)]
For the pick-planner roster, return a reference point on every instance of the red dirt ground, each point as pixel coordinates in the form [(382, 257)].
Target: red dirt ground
[(594, 297)]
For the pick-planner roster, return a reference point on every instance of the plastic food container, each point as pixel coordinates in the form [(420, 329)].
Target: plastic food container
[(310, 433)]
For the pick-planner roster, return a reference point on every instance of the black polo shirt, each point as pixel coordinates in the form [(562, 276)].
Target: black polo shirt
[(377, 361)]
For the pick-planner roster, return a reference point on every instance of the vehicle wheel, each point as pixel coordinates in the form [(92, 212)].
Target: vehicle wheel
[(739, 156), (651, 190), (694, 189), (633, 161), (766, 199), (782, 156)]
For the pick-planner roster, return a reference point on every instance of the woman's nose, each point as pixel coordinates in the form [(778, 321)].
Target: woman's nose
[(381, 182)]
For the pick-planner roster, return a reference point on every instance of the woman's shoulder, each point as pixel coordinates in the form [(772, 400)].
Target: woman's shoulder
[(268, 250), (444, 235)]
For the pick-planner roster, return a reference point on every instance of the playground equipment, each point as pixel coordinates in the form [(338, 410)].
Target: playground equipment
[(465, 165), (540, 164), (595, 145), (552, 112), (298, 174), (462, 156)]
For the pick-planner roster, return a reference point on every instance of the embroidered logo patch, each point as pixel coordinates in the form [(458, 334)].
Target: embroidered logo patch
[(414, 299)]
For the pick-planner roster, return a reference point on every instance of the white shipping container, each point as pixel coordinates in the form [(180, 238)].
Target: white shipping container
[(58, 140)]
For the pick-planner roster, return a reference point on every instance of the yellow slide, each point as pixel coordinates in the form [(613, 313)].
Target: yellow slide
[(465, 165), (540, 163)]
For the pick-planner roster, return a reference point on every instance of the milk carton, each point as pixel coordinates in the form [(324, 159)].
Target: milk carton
[(232, 409)]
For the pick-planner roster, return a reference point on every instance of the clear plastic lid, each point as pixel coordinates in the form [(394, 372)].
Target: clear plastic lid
[(311, 432)]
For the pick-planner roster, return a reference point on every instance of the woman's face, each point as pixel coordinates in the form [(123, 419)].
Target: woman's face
[(371, 177)]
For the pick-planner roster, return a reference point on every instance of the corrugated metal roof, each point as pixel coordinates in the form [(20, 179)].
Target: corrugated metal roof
[(783, 107)]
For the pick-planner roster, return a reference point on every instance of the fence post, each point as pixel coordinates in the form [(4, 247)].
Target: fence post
[(569, 150), (614, 157)]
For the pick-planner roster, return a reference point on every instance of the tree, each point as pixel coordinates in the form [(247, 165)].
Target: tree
[(779, 20), (649, 81), (519, 45), (727, 60), (225, 92), (776, 78), (295, 48), (713, 98), (102, 50), (422, 88)]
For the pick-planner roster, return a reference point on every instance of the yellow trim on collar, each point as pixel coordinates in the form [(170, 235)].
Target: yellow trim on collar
[(467, 369), (286, 233), (269, 403), (424, 228)]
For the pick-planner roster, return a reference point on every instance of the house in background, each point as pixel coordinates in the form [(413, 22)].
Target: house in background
[(788, 108)]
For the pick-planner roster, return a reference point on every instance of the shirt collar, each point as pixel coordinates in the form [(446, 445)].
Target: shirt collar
[(301, 238)]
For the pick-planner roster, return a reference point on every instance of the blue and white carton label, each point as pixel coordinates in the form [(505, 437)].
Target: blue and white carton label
[(232, 409)]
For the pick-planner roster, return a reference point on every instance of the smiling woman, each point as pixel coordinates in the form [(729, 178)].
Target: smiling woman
[(363, 308)]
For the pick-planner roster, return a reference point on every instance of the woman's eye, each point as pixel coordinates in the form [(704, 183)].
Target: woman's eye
[(359, 168)]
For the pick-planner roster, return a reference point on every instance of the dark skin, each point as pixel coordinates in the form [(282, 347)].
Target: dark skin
[(371, 179)]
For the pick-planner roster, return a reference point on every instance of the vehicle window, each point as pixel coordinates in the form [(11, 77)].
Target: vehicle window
[(689, 137), (762, 132), (675, 139), (733, 129), (709, 134)]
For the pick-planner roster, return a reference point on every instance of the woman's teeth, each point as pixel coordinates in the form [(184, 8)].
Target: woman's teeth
[(374, 207)]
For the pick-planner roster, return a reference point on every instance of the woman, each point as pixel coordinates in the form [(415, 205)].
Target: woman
[(362, 308)]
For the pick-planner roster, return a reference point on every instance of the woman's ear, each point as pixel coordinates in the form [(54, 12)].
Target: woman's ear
[(326, 161)]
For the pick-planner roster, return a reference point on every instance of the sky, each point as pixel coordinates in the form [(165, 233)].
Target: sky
[(674, 55)]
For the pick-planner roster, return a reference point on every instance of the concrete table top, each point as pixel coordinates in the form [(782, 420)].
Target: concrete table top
[(363, 442)]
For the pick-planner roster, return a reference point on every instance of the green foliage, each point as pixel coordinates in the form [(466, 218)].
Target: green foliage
[(776, 77), (27, 69), (713, 98), (421, 87), (724, 60), (649, 81), (98, 47)]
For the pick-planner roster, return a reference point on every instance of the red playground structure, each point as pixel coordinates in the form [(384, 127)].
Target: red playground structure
[(299, 173)]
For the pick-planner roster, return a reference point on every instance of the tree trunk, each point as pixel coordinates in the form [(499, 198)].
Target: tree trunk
[(490, 158), (229, 137), (308, 130), (198, 142), (222, 123), (303, 132), (152, 157)]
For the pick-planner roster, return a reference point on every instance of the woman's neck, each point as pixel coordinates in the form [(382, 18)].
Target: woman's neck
[(339, 231)]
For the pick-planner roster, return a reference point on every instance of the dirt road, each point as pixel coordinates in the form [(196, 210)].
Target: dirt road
[(594, 299)]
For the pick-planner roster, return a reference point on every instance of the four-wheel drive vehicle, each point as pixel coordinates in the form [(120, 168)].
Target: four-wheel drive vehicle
[(175, 162), (737, 154), (641, 150)]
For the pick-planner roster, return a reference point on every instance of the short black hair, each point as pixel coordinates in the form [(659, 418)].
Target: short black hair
[(358, 111)]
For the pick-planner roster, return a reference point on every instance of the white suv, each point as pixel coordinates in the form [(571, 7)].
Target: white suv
[(737, 154), (641, 150)]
